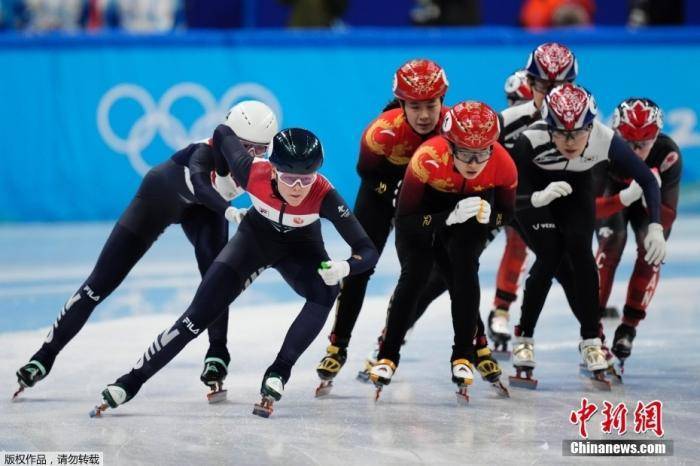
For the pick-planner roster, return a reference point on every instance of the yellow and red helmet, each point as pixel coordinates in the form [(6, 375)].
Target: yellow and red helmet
[(420, 79), (471, 125)]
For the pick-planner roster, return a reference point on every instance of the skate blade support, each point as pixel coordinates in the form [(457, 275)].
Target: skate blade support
[(324, 388), (16, 394), (519, 381), (264, 408), (216, 396), (378, 391), (462, 394), (217, 393), (597, 378), (98, 410), (500, 389)]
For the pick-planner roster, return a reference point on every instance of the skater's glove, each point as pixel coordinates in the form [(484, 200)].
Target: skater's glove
[(226, 187), (630, 194), (235, 215), (554, 190), (655, 244), (465, 209), (333, 271)]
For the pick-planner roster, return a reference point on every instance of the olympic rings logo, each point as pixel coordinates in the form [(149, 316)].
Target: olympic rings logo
[(158, 120)]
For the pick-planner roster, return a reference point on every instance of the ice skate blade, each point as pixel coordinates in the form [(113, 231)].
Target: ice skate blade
[(615, 376), (262, 411), (216, 396), (462, 395), (500, 389), (500, 355), (522, 382), (264, 408), (98, 410), (16, 394), (378, 392), (599, 381), (325, 388)]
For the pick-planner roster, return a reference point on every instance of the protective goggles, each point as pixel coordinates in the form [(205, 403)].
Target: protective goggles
[(573, 135), (291, 179), (542, 85), (253, 148), (641, 145), (476, 156)]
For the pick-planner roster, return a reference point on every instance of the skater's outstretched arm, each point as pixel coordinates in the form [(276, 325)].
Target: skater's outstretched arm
[(364, 253), (631, 165)]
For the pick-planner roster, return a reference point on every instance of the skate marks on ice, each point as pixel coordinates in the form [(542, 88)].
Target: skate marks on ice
[(416, 421)]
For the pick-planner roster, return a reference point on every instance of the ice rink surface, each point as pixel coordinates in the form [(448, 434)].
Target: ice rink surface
[(417, 420)]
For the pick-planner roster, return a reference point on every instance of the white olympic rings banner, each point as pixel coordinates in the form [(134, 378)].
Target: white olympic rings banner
[(157, 118)]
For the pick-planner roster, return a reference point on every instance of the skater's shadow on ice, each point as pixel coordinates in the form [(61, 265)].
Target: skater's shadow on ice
[(342, 397), (43, 400)]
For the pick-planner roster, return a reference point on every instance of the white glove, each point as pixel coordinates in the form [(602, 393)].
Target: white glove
[(333, 271), (235, 215), (465, 209), (484, 214), (630, 194), (655, 244), (226, 187), (554, 190)]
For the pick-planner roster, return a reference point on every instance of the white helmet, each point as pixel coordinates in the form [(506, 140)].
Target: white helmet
[(252, 121)]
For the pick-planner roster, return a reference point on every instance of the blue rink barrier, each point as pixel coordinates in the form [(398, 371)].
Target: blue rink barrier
[(84, 117)]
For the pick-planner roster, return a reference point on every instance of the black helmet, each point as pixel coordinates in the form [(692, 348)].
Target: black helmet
[(296, 150)]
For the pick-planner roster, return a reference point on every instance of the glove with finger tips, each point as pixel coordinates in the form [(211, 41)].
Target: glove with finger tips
[(332, 272), (554, 190), (235, 215), (655, 244), (464, 210)]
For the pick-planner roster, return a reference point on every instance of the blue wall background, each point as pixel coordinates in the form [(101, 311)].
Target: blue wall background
[(60, 163)]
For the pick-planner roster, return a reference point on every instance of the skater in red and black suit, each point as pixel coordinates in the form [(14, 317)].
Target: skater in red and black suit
[(638, 121), (548, 65), (385, 150), (444, 215), (281, 231)]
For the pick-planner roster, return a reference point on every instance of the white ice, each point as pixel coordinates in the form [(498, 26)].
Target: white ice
[(416, 421)]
